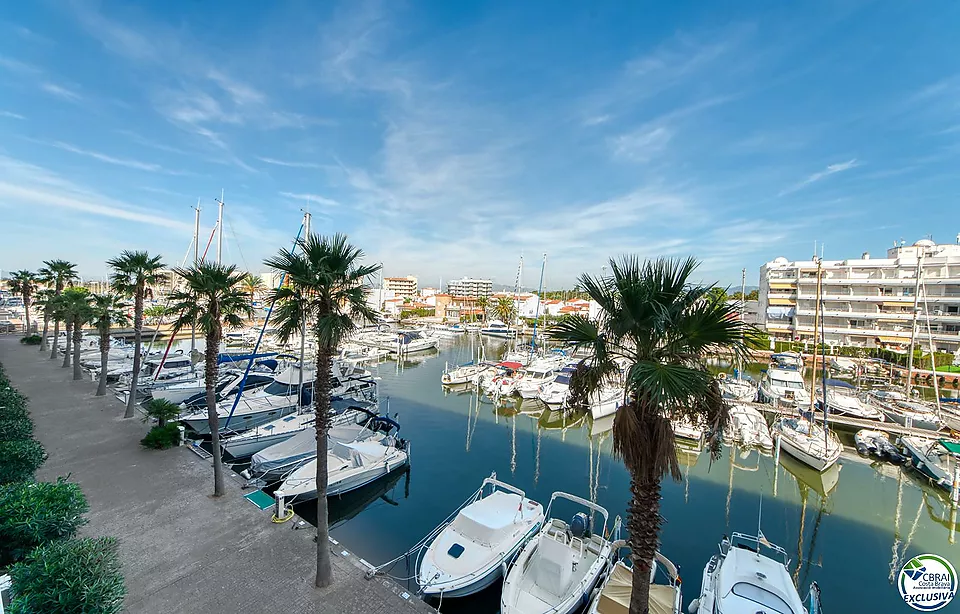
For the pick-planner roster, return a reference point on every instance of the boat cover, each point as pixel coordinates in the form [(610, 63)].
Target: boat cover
[(483, 520), (301, 446), (615, 597)]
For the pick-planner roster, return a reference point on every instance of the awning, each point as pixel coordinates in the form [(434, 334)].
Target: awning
[(890, 339), (951, 446), (790, 285), (511, 365), (781, 313), (782, 301), (890, 304)]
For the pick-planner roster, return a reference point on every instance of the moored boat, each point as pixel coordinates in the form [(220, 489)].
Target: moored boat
[(808, 442), (614, 595), (936, 459)]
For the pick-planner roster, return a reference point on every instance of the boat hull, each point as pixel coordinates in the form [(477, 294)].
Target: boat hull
[(240, 422), (917, 422), (820, 464)]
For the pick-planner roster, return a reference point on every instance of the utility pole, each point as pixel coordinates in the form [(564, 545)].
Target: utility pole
[(220, 229), (913, 329)]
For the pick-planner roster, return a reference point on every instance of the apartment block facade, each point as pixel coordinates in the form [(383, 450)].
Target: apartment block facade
[(402, 287), (868, 302), (467, 286)]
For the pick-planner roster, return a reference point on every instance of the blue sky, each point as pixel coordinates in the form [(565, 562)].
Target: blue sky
[(446, 138)]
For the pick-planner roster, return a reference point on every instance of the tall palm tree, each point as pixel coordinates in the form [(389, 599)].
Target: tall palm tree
[(658, 327), (252, 285), (107, 310), (81, 310), (72, 309), (504, 310), (483, 302), (42, 299), (213, 297), (24, 283), (324, 289), (60, 273), (133, 272)]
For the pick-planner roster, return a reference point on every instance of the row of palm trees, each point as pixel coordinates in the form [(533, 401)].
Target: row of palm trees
[(656, 326)]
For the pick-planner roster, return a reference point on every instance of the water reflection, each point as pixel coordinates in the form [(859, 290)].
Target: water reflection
[(342, 508)]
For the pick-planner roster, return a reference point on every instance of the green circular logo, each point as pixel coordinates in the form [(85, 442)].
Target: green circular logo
[(927, 582)]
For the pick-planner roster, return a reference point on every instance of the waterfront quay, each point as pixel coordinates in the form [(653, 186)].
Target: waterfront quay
[(182, 550)]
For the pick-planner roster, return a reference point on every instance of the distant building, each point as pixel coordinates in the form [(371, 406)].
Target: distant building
[(428, 292), (867, 302), (403, 287), (469, 287)]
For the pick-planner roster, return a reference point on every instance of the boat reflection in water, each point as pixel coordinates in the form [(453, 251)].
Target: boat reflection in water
[(342, 508), (821, 484)]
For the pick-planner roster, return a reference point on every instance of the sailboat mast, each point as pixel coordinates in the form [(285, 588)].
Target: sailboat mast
[(516, 302), (303, 324), (823, 371), (220, 228), (816, 334), (743, 309), (913, 330), (536, 317), (196, 261)]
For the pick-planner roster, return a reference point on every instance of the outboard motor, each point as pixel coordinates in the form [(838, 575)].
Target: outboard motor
[(580, 526)]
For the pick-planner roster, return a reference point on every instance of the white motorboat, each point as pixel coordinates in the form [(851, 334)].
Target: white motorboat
[(737, 389), (808, 442), (750, 576), (153, 367), (464, 374), (606, 401), (448, 332), (937, 459), (665, 598), (683, 428), (277, 399), (471, 552), (535, 376), (413, 341), (788, 360), (556, 392), (783, 388), (748, 427), (842, 399), (902, 411), (499, 329), (842, 364), (349, 466), (557, 570)]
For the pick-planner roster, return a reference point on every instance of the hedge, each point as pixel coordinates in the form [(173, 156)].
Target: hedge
[(35, 513)]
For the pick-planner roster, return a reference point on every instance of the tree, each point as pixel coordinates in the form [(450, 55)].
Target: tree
[(504, 310), (155, 312), (133, 272), (75, 575), (717, 293), (107, 310), (42, 300), (24, 283), (483, 302), (252, 285), (661, 327), (162, 411), (74, 309), (324, 289), (213, 298), (60, 273)]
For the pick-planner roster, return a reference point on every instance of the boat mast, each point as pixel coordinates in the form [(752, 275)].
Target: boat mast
[(933, 356), (516, 303), (303, 324), (816, 334), (196, 261), (220, 228), (743, 307), (536, 317), (913, 331)]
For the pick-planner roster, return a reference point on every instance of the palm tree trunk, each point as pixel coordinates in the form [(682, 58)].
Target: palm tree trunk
[(77, 336), (643, 522), (104, 356), (69, 346), (321, 404), (26, 312), (46, 327), (56, 339), (137, 340), (210, 373)]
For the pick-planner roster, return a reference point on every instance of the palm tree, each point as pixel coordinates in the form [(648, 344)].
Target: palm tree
[(24, 283), (60, 273), (253, 284), (82, 312), (107, 310), (325, 289), (659, 327), (504, 310), (133, 272), (72, 307), (483, 302), (213, 297), (42, 299), (155, 312)]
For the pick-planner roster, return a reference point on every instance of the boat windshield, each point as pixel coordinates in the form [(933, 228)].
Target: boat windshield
[(785, 383), (281, 389), (562, 379), (756, 594)]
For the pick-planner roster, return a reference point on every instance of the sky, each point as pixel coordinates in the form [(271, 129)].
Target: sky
[(447, 139)]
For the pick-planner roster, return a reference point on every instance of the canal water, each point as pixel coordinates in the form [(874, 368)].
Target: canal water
[(850, 529)]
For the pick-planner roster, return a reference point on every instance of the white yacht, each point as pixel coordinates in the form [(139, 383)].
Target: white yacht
[(349, 466), (842, 399), (750, 576), (897, 408), (748, 427), (737, 389), (555, 393), (665, 597), (783, 388), (464, 374), (606, 401), (557, 570), (413, 341), (497, 328), (535, 376), (277, 399), (808, 442), (471, 552), (935, 458)]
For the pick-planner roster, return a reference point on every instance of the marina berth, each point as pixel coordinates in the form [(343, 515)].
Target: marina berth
[(783, 388)]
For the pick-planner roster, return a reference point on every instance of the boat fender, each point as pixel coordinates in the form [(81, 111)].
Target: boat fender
[(694, 606)]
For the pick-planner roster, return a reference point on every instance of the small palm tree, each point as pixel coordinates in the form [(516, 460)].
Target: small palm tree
[(213, 297), (60, 273), (504, 310), (657, 328), (74, 309), (483, 302), (253, 285), (324, 289), (24, 283), (155, 312), (107, 310), (133, 273)]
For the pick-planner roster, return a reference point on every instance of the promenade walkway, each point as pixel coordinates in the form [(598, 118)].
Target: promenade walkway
[(182, 550)]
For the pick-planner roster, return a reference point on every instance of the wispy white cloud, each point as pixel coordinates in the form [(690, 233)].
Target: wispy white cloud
[(11, 115), (18, 66), (643, 144), (831, 169), (312, 198), (125, 162), (290, 163), (60, 91)]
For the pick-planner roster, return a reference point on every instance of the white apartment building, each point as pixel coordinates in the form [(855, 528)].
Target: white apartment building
[(402, 287), (459, 288), (868, 302)]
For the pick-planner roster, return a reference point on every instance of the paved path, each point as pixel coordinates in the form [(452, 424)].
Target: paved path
[(182, 550)]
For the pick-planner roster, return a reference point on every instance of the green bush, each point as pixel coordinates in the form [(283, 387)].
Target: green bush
[(20, 459), (12, 403), (72, 576), (162, 437), (18, 427), (35, 513), (31, 340)]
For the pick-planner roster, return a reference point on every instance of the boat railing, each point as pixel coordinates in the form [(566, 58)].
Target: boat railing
[(755, 542), (580, 501)]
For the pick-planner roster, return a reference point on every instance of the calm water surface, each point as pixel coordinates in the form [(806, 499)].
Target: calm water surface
[(850, 529)]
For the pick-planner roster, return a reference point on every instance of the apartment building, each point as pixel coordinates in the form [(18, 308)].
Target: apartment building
[(868, 302), (402, 287), (467, 286)]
